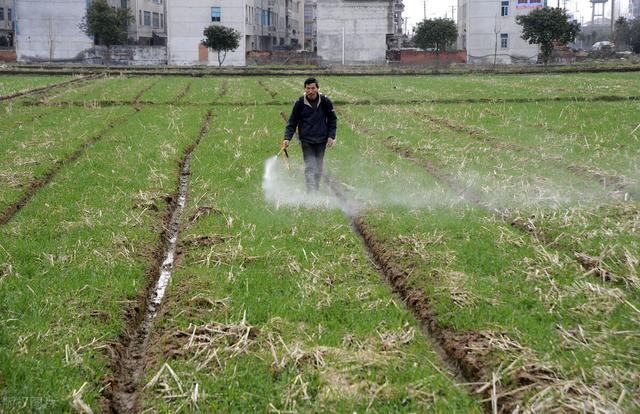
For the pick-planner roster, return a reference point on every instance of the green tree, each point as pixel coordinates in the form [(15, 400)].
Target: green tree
[(547, 26), (222, 40), (634, 35), (622, 33), (107, 25), (438, 34)]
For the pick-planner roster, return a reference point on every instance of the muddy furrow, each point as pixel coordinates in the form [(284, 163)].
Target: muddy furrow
[(129, 354), (451, 347), (183, 93), (136, 99), (37, 184), (47, 88), (616, 183), (105, 103)]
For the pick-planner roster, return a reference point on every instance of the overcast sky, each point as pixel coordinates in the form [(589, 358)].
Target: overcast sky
[(414, 9)]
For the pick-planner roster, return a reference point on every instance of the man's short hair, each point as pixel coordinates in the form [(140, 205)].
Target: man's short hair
[(309, 81)]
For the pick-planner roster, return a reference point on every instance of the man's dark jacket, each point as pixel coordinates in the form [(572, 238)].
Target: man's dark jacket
[(314, 126)]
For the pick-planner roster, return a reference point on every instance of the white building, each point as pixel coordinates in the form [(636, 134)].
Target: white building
[(186, 23), (353, 31), (48, 30), (487, 29), (6, 22)]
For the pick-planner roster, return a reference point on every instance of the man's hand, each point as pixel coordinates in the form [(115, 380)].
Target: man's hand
[(330, 142), (285, 143)]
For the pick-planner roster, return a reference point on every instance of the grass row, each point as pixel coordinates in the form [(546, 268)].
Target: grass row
[(77, 254), (30, 149), (10, 84)]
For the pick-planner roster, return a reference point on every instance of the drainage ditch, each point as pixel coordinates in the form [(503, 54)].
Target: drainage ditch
[(130, 353)]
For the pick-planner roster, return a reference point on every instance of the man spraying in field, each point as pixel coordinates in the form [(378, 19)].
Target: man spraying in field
[(316, 121)]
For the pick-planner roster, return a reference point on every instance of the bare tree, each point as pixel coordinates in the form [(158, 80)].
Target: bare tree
[(496, 31), (52, 39)]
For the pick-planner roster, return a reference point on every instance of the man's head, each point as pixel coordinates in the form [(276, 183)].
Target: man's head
[(311, 88)]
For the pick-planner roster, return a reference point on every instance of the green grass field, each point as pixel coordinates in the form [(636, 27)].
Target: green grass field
[(474, 247)]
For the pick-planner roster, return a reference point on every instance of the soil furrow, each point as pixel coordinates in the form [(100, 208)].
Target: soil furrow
[(183, 92), (451, 347), (34, 186), (129, 354), (47, 88), (136, 99)]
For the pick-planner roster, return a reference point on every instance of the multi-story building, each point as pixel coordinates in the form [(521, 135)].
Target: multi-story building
[(149, 24), (186, 24), (634, 9), (274, 24), (47, 30), (487, 29), (394, 40), (355, 31), (311, 25), (262, 24), (7, 9)]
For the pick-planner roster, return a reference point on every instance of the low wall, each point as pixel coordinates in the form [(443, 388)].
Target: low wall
[(116, 55), (424, 57), (126, 55), (7, 55), (282, 57)]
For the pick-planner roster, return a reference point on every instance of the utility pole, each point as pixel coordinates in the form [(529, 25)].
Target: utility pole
[(424, 4), (613, 20), (453, 13)]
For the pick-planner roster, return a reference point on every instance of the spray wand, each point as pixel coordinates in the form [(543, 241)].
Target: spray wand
[(283, 149)]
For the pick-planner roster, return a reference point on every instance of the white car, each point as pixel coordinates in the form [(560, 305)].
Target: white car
[(602, 44)]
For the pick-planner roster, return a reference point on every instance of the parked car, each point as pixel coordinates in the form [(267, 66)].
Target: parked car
[(602, 44)]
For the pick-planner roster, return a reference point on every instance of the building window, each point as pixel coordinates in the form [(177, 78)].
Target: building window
[(504, 10), (504, 40), (9, 14), (147, 18), (156, 20), (123, 4), (215, 14), (1, 13), (140, 15), (161, 21)]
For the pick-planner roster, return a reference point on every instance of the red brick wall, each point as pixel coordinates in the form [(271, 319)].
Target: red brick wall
[(421, 57), (7, 55)]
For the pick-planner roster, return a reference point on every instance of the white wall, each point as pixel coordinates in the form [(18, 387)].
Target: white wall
[(366, 25), (483, 18), (50, 29), (186, 21)]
